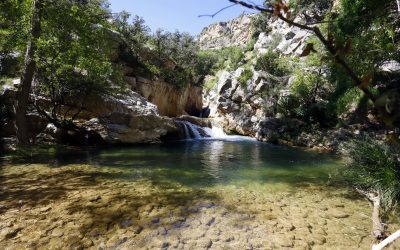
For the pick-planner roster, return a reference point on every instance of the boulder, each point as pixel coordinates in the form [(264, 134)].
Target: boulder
[(270, 129), (131, 129), (202, 122), (123, 118), (127, 119)]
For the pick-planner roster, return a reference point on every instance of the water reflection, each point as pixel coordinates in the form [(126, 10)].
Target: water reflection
[(209, 162)]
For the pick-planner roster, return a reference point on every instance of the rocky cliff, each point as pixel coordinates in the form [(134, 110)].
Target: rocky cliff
[(244, 107), (236, 32), (170, 100)]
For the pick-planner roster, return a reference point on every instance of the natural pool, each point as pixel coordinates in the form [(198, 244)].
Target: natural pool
[(210, 194)]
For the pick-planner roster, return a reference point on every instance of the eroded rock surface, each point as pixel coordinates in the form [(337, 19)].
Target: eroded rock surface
[(236, 32), (128, 118), (241, 107), (170, 100)]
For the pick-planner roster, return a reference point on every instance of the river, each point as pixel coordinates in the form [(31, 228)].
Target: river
[(197, 194)]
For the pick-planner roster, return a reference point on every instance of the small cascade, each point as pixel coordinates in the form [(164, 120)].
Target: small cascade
[(192, 131), (217, 133)]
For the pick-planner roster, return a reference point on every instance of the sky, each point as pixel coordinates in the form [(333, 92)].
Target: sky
[(179, 15)]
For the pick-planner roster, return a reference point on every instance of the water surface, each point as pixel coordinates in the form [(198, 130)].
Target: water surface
[(210, 194)]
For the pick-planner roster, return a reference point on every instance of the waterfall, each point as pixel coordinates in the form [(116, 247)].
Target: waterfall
[(192, 131)]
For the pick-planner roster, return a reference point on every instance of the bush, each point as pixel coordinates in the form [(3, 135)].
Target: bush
[(232, 57), (246, 75), (305, 100), (272, 63), (205, 63), (375, 167), (348, 99), (211, 83)]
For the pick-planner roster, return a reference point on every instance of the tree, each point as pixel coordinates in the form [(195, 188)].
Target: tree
[(74, 59), (135, 32), (28, 74)]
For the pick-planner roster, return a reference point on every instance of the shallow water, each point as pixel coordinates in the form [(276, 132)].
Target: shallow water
[(209, 194), (212, 162)]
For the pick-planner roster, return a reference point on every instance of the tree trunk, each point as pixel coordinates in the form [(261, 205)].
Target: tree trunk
[(387, 241), (27, 76), (398, 6)]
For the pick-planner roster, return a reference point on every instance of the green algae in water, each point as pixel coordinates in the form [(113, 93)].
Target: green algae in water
[(199, 164), (256, 192)]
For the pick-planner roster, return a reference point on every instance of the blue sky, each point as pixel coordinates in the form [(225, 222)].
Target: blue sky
[(179, 15)]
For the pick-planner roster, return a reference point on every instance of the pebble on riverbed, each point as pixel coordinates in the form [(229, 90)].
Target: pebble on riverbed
[(139, 214)]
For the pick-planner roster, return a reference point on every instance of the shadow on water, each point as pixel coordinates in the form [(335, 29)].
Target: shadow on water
[(204, 163), (114, 207), (176, 176)]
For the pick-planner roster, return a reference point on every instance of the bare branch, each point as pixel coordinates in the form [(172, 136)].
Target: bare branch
[(216, 13)]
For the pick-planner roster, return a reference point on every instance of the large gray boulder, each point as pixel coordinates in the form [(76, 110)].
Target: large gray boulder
[(127, 119), (124, 118)]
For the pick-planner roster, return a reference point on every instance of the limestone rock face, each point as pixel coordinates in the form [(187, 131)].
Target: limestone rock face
[(242, 107), (236, 32), (98, 106), (170, 100), (127, 118), (283, 38), (239, 107)]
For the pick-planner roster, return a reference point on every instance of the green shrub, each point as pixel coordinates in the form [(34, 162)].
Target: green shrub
[(375, 167), (305, 100), (233, 57), (349, 98), (251, 43), (246, 75), (290, 106), (272, 63), (206, 62), (211, 83)]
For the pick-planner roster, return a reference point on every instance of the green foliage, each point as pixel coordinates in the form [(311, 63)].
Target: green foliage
[(14, 25), (314, 9), (246, 75), (135, 32), (260, 23), (206, 63), (306, 99), (230, 58), (211, 83), (211, 61), (176, 58), (371, 30), (273, 63), (375, 167), (74, 54), (351, 97)]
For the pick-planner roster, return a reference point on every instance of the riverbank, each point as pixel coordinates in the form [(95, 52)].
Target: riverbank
[(141, 203)]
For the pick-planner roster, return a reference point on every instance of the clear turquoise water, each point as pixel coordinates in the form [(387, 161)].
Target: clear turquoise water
[(249, 164)]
